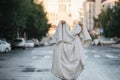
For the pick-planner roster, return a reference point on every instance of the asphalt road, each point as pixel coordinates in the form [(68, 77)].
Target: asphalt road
[(103, 63)]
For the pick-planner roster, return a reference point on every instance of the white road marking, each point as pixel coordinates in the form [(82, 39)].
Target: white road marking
[(96, 56), (86, 51), (46, 51), (33, 51), (42, 51), (94, 51), (46, 57), (110, 56), (34, 57)]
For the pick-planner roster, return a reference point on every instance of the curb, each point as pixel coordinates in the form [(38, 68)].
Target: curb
[(116, 45)]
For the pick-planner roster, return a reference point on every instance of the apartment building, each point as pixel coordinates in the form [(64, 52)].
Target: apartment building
[(57, 10), (92, 8), (89, 12)]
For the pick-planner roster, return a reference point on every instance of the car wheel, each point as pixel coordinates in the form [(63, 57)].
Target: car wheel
[(24, 48), (6, 50)]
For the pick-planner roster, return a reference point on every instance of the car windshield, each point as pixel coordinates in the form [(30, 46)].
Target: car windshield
[(18, 40), (29, 41), (3, 42), (107, 39)]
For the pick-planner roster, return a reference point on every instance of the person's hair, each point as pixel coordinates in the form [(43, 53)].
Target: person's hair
[(62, 21), (80, 24)]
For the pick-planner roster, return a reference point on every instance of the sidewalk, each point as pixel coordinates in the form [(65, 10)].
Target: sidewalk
[(116, 45)]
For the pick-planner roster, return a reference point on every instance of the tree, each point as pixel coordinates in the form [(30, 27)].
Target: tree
[(19, 15), (109, 21), (36, 23)]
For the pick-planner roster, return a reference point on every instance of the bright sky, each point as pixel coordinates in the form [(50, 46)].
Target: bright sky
[(76, 5)]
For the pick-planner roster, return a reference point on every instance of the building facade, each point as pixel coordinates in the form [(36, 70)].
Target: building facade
[(64, 11), (57, 10), (108, 3), (81, 14), (92, 8), (89, 12)]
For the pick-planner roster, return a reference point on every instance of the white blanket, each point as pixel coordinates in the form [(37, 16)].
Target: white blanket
[(69, 57)]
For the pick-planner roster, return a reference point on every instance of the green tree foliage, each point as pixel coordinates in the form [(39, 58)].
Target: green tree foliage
[(36, 23), (18, 16), (109, 20)]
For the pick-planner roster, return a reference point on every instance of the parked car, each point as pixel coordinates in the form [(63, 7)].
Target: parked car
[(107, 41), (46, 43), (30, 43), (117, 42), (19, 43), (41, 44), (96, 42), (5, 46), (36, 42), (103, 41)]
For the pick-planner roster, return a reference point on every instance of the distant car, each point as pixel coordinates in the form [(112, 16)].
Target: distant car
[(5, 46), (36, 42), (46, 43), (96, 42), (30, 43), (107, 41), (41, 44), (117, 42), (19, 43)]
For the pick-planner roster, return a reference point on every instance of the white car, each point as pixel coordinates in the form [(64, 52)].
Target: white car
[(19, 43), (96, 42), (30, 43), (107, 41), (5, 46), (36, 42)]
